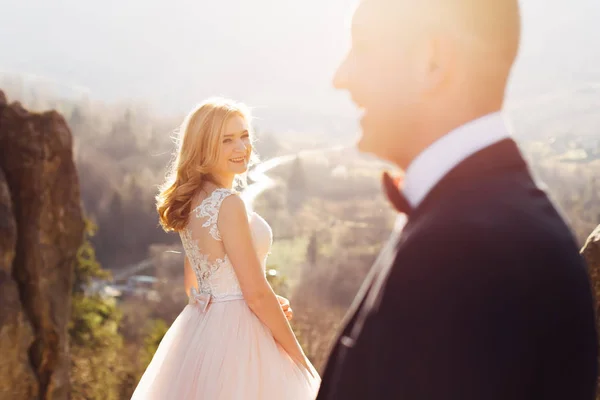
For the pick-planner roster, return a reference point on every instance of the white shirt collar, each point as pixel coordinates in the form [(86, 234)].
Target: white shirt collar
[(431, 165)]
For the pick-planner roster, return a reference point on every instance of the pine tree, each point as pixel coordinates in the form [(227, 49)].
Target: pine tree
[(297, 179), (312, 250)]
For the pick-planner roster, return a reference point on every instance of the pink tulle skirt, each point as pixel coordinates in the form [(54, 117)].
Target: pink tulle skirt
[(224, 353)]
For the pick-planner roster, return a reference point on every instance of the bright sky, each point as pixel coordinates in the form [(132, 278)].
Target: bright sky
[(280, 54), (177, 51)]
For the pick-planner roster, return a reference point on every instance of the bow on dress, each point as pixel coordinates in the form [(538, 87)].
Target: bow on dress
[(202, 299)]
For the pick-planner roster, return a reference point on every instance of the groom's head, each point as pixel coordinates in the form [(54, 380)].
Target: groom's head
[(420, 68)]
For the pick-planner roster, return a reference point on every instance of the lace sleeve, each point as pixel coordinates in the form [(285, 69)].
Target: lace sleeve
[(209, 209)]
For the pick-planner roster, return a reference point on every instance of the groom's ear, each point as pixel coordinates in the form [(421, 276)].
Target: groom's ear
[(436, 61)]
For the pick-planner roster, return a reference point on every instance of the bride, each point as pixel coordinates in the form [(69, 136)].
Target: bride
[(232, 341)]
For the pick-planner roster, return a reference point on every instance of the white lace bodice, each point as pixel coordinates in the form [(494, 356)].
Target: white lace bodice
[(214, 273)]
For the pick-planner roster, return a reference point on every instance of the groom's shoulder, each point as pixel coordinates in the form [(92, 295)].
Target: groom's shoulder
[(490, 213), (504, 236)]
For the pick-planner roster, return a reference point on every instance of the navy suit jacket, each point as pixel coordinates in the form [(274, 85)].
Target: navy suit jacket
[(482, 296)]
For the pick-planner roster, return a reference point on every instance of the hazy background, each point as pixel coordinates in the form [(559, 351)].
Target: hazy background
[(276, 55), (123, 74)]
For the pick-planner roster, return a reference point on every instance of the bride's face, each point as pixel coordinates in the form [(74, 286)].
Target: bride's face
[(235, 148)]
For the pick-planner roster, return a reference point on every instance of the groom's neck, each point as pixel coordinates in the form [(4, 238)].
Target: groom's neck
[(434, 126)]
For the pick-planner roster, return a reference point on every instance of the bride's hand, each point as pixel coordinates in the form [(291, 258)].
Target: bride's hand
[(285, 306)]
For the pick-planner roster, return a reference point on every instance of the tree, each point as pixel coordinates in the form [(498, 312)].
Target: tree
[(96, 363), (77, 118), (112, 224), (297, 179), (296, 185), (87, 267), (312, 250)]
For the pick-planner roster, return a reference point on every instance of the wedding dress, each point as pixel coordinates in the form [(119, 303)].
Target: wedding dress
[(217, 348)]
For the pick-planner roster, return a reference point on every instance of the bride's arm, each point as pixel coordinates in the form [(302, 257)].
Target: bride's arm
[(235, 233)]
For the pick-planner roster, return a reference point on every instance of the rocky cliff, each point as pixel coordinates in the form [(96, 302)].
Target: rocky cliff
[(591, 253), (41, 228)]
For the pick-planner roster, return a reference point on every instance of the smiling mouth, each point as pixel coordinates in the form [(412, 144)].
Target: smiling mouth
[(239, 160)]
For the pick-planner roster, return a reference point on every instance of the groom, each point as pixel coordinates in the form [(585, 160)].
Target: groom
[(483, 296)]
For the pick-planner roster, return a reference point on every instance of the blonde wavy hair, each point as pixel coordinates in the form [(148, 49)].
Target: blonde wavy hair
[(198, 147)]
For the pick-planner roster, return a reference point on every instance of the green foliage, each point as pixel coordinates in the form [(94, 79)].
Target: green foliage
[(94, 322), (87, 266), (96, 365), (156, 332), (96, 362)]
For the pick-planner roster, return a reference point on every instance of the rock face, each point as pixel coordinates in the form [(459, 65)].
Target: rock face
[(591, 253), (41, 228)]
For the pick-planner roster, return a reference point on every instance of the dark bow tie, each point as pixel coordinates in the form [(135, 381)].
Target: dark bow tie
[(395, 195)]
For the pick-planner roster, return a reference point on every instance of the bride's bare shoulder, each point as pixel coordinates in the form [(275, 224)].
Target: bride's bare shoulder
[(233, 210)]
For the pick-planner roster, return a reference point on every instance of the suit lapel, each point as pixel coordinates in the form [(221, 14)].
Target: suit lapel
[(486, 164), (501, 156)]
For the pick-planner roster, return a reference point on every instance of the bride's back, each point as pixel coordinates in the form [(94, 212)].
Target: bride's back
[(204, 247)]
